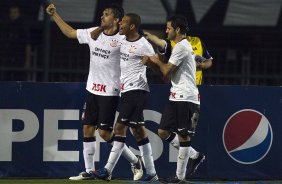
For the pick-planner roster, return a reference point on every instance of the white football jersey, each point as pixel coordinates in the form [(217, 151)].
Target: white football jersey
[(133, 72), (104, 70), (183, 78)]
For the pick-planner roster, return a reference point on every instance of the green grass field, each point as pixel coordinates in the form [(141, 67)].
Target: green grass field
[(57, 181), (66, 181)]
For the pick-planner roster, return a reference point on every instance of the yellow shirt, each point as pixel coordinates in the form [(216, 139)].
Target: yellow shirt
[(198, 50)]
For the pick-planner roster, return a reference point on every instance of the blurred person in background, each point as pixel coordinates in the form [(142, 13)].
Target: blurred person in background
[(16, 47)]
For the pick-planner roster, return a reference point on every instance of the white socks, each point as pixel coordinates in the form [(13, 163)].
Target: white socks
[(147, 157), (88, 154), (114, 155), (182, 161)]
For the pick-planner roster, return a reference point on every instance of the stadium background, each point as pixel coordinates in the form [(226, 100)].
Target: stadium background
[(243, 36)]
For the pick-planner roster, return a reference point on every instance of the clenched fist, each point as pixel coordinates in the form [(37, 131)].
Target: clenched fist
[(51, 9)]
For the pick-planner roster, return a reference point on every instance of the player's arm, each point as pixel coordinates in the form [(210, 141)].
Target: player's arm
[(95, 33), (64, 27), (165, 68), (205, 61), (160, 43), (202, 62)]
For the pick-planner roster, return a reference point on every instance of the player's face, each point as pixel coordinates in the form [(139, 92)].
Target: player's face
[(171, 34), (107, 19), (124, 26)]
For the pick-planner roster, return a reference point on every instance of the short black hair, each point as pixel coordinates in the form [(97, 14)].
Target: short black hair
[(179, 21), (117, 10), (134, 19)]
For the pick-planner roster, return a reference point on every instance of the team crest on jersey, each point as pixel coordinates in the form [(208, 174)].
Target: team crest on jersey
[(114, 43), (132, 49)]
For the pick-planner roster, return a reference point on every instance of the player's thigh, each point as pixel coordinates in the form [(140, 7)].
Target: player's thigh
[(107, 106), (128, 104), (169, 119), (185, 111), (91, 110), (141, 98)]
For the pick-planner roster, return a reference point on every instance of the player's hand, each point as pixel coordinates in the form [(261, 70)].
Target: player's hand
[(147, 35), (51, 9), (151, 61), (145, 60), (199, 58)]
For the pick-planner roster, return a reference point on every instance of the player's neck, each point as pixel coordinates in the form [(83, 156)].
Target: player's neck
[(111, 30), (179, 37), (133, 36)]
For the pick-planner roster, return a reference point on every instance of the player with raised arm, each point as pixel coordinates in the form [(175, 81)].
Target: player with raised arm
[(134, 94), (184, 96), (103, 85)]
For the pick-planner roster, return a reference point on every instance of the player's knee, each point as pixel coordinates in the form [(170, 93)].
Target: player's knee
[(139, 133), (106, 135), (88, 130), (120, 129), (163, 134)]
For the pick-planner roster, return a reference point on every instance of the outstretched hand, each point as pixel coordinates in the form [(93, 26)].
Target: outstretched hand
[(146, 34), (51, 9)]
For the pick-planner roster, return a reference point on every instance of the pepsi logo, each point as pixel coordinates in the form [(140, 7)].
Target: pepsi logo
[(247, 136)]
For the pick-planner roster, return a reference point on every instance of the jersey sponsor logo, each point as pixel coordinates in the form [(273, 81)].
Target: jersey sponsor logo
[(247, 136), (172, 95), (99, 87), (101, 53), (124, 56)]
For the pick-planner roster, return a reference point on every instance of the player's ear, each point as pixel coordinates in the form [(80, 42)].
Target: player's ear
[(116, 21), (177, 30), (132, 26)]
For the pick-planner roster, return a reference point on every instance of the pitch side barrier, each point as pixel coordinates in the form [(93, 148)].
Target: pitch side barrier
[(239, 130)]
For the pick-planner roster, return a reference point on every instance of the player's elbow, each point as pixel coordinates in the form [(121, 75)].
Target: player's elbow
[(70, 34)]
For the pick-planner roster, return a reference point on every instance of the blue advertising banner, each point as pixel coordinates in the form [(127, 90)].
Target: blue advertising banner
[(238, 131)]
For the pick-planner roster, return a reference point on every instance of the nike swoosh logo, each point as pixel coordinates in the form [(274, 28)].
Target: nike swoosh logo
[(179, 129)]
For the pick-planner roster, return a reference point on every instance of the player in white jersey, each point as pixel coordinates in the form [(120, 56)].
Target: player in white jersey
[(184, 100), (134, 94), (164, 46), (103, 85)]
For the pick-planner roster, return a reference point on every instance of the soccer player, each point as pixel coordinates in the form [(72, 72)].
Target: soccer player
[(203, 61), (184, 96), (103, 85), (134, 94)]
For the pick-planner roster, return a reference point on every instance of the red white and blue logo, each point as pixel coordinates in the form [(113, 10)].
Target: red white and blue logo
[(247, 136)]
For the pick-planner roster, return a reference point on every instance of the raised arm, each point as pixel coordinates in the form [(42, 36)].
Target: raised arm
[(64, 27), (160, 43)]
